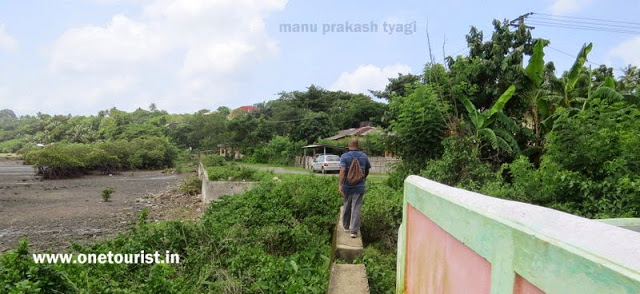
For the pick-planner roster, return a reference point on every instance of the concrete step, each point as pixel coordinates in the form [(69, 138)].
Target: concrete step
[(346, 248), (348, 279)]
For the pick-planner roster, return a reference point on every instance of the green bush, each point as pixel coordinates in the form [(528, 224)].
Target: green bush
[(20, 274), (213, 160), (460, 165), (236, 173), (381, 215), (279, 150), (11, 146), (590, 166), (381, 269), (63, 160), (191, 186), (106, 194)]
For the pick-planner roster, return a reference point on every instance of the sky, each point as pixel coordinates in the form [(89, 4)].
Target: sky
[(81, 56)]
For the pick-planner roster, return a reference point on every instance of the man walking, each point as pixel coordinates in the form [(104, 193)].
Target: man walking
[(354, 169)]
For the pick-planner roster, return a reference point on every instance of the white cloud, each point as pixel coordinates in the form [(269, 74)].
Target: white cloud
[(627, 51), (368, 77), (563, 7), (7, 42), (94, 48), (180, 52)]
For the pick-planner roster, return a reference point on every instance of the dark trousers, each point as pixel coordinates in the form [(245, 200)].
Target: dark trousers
[(352, 211)]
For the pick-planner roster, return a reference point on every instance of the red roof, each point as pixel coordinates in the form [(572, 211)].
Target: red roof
[(246, 108), (242, 109)]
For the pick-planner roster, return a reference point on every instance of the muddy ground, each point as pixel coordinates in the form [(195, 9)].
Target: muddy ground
[(54, 213)]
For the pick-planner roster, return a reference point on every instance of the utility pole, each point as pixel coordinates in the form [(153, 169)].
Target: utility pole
[(520, 21)]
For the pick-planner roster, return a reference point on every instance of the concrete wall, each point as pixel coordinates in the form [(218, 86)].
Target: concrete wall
[(379, 164), (455, 241), (212, 190)]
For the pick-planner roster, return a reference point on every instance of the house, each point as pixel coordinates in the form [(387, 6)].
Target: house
[(243, 109), (353, 132)]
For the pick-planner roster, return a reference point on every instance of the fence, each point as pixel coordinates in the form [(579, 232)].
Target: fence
[(455, 241), (379, 164)]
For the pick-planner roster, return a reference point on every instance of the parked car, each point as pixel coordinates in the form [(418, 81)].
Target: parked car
[(326, 163)]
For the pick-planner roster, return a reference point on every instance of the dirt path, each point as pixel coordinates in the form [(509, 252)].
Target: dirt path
[(54, 213)]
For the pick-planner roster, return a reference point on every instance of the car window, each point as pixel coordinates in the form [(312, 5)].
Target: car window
[(320, 158), (333, 158)]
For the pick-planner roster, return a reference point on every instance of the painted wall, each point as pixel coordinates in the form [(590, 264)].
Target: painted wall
[(455, 241)]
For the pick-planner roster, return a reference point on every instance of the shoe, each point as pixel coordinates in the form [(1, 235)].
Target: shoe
[(353, 235), (346, 230)]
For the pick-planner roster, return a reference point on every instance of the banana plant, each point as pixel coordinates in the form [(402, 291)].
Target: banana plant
[(574, 75), (483, 120)]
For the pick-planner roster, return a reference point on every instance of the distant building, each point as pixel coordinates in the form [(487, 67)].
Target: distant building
[(243, 109)]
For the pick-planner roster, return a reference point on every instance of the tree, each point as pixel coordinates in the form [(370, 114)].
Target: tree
[(417, 125), (313, 127), (7, 113), (397, 86)]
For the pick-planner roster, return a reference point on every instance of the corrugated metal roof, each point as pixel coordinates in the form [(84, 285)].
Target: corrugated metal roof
[(352, 132)]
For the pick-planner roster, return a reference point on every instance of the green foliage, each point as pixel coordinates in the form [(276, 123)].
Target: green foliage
[(372, 143), (590, 166), (279, 150), (213, 160), (191, 186), (381, 215), (20, 274), (313, 127), (106, 194), (482, 121), (381, 270), (11, 146), (418, 125), (460, 165), (63, 160)]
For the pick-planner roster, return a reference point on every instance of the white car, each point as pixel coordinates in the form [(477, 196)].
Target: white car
[(326, 163)]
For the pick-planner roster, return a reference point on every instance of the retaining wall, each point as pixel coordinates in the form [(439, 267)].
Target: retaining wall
[(455, 241), (212, 190)]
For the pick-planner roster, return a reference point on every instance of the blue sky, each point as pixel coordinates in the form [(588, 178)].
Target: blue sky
[(81, 56)]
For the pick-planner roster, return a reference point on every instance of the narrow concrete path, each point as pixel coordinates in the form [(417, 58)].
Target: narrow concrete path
[(347, 278)]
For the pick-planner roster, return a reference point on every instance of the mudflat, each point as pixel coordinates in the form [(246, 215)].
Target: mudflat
[(54, 213)]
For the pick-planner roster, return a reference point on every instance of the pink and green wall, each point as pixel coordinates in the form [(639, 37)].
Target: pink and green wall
[(455, 241)]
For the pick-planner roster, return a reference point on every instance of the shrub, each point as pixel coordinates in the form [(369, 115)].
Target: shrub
[(236, 173), (460, 165), (11, 146), (279, 150), (213, 160), (381, 215), (191, 186), (106, 194)]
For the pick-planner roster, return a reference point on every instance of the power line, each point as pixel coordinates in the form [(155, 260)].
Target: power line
[(586, 18), (584, 27), (574, 56), (577, 22)]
